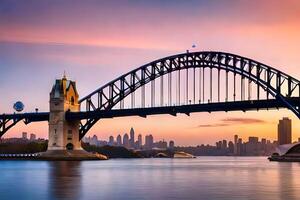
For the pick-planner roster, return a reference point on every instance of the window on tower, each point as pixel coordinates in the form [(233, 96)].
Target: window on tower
[(72, 101), (70, 135)]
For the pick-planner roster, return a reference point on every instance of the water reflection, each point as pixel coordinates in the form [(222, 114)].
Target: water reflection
[(286, 181), (65, 179), (223, 178)]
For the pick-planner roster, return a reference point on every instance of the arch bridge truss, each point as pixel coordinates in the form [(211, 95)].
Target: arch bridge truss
[(195, 70)]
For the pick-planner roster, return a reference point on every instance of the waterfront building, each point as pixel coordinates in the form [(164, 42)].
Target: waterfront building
[(252, 146), (139, 142), (285, 131), (219, 144), (264, 145), (287, 152), (235, 144), (239, 146), (224, 144), (111, 140), (126, 141), (171, 144), (131, 140), (119, 140), (231, 147), (161, 145), (148, 142), (94, 140), (253, 140)]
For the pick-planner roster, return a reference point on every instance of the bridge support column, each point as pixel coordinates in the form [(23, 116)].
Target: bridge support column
[(64, 143), (63, 135)]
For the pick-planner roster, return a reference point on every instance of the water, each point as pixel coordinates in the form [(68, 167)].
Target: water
[(201, 178)]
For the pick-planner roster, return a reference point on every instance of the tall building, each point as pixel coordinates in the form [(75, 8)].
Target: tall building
[(235, 144), (24, 135), (253, 140), (126, 141), (149, 142), (131, 140), (94, 140), (264, 144), (231, 147), (32, 137), (285, 131), (239, 147), (171, 144), (111, 140), (161, 144), (252, 146), (119, 140), (219, 145), (224, 144), (140, 141)]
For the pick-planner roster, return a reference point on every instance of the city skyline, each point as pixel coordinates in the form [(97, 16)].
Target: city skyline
[(52, 43), (236, 146), (129, 142), (118, 138)]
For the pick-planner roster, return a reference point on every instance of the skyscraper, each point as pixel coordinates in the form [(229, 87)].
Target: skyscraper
[(149, 142), (264, 144), (252, 146), (285, 131), (111, 141), (126, 141), (235, 144), (239, 146), (119, 140), (231, 147), (224, 144), (94, 140), (219, 144), (140, 141), (131, 140), (171, 144)]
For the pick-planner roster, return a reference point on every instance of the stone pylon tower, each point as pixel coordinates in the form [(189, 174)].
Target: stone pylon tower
[(63, 135)]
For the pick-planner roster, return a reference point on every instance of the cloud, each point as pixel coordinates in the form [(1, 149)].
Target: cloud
[(212, 125), (243, 120), (232, 122)]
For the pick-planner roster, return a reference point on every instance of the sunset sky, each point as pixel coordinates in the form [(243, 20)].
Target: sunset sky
[(97, 41)]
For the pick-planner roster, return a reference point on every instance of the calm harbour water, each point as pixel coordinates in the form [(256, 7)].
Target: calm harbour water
[(201, 178)]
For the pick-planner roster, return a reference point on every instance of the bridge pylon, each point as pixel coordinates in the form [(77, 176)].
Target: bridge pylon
[(64, 141), (63, 134)]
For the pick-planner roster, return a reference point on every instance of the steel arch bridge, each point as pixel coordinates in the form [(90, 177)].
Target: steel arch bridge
[(205, 81)]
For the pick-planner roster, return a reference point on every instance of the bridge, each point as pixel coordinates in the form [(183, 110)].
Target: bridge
[(204, 81)]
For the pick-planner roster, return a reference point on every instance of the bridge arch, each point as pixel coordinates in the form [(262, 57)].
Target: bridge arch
[(275, 82)]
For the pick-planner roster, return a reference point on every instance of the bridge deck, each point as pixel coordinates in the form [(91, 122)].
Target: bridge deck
[(34, 116), (172, 110), (185, 109)]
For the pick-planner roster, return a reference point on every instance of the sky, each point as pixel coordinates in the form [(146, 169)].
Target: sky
[(97, 41)]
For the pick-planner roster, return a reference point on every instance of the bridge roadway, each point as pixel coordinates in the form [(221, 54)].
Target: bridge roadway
[(184, 109), (172, 110)]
